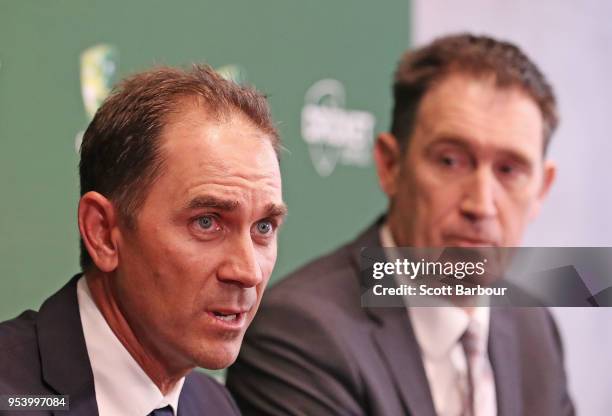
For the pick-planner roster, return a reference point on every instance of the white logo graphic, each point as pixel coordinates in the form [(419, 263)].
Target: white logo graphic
[(333, 133)]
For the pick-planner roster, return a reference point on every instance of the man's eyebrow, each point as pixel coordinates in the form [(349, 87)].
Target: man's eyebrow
[(449, 140), (466, 145), (276, 210), (208, 201), (517, 157)]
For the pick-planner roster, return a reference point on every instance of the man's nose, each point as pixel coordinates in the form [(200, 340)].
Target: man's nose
[(240, 265), (479, 195)]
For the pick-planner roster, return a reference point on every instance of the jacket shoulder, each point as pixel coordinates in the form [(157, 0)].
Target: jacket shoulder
[(333, 273), (20, 370), (18, 331), (203, 394), (322, 297), (318, 271)]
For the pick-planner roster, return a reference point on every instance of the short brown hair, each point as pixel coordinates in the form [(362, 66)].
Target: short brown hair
[(420, 69), (120, 155)]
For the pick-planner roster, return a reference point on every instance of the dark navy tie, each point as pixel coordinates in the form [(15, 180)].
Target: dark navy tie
[(165, 411)]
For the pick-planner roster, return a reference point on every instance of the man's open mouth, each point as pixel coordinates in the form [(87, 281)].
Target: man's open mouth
[(227, 317)]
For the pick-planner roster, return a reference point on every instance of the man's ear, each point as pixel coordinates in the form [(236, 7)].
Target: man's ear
[(548, 178), (97, 225), (387, 156)]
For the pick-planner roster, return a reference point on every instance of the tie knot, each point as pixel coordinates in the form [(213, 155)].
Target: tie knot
[(164, 411)]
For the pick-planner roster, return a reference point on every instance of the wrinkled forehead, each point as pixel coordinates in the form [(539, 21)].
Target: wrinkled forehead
[(190, 109), (195, 124), (479, 111), (193, 110), (196, 146)]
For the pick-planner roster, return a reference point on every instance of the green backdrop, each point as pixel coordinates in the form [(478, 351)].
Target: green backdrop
[(283, 47)]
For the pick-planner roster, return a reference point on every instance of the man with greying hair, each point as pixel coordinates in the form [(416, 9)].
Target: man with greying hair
[(464, 165), (178, 216)]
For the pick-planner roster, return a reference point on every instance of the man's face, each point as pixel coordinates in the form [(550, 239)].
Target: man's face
[(192, 271), (473, 173)]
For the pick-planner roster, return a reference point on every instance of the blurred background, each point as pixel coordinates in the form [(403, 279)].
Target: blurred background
[(327, 68)]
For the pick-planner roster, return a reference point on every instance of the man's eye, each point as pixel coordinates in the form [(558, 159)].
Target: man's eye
[(448, 161), (264, 227), (452, 161), (510, 170), (206, 222)]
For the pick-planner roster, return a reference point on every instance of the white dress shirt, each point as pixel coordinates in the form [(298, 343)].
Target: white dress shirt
[(438, 331), (122, 387)]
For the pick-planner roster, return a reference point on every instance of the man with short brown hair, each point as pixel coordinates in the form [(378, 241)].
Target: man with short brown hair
[(179, 211), (464, 165)]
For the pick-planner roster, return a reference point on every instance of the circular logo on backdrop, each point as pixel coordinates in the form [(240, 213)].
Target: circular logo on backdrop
[(99, 65), (98, 68), (233, 73), (334, 134)]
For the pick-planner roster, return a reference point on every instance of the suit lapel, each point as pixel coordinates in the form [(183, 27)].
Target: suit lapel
[(191, 401), (505, 360), (400, 350), (63, 354), (396, 342)]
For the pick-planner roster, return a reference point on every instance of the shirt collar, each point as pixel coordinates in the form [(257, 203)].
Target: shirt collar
[(439, 328), (386, 238), (122, 387)]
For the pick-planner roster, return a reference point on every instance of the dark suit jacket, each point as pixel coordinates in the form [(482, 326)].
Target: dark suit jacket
[(44, 353), (313, 350)]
